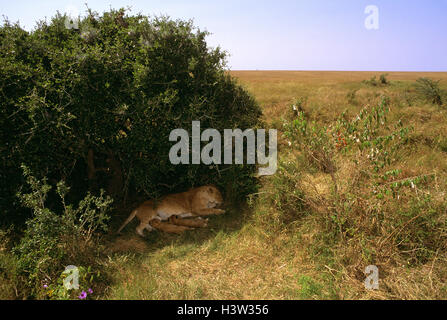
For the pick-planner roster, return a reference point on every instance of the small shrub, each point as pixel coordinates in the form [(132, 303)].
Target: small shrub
[(374, 82), (429, 90), (371, 82), (383, 79), (297, 106), (53, 241), (369, 132), (314, 140)]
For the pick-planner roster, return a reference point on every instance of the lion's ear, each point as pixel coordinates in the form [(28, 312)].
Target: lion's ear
[(210, 189)]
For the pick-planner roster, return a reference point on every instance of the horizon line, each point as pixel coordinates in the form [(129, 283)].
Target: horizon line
[(317, 70)]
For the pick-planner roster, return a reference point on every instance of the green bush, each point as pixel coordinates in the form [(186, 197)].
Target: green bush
[(374, 82), (383, 79), (429, 90), (371, 82), (94, 106), (53, 241), (314, 140)]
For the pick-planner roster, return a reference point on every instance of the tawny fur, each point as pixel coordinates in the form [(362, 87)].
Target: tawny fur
[(196, 202)]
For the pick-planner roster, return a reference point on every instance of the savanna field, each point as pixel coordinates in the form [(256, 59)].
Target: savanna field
[(356, 210), (361, 176), (361, 181), (190, 151)]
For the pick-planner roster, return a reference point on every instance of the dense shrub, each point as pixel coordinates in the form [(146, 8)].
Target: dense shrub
[(94, 106)]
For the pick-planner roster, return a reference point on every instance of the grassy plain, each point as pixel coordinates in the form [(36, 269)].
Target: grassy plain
[(299, 237)]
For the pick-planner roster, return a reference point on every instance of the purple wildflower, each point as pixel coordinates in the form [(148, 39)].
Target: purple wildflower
[(90, 290), (83, 295), (45, 286)]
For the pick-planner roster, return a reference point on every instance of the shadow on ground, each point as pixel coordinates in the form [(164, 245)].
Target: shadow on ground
[(129, 242)]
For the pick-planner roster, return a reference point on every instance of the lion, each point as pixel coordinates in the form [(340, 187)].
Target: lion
[(170, 213)]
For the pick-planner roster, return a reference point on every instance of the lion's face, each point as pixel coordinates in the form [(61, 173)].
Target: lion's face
[(215, 198)]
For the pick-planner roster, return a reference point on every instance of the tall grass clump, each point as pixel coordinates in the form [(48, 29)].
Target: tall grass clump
[(11, 282)]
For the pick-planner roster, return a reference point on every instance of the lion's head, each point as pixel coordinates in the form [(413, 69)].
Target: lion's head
[(214, 196)]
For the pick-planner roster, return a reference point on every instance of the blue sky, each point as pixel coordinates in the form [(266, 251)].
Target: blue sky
[(293, 35)]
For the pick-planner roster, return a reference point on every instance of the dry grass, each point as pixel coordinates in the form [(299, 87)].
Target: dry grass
[(273, 250)]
